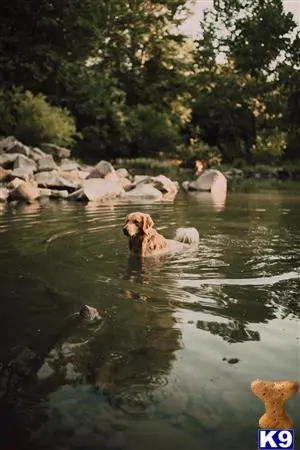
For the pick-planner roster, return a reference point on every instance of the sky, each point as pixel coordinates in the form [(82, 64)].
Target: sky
[(191, 26)]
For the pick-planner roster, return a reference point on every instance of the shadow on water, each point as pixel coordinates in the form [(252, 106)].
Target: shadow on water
[(181, 337)]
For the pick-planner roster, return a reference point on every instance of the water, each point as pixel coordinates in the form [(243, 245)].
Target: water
[(182, 338)]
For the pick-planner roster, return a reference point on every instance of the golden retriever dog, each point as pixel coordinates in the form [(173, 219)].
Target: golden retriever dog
[(145, 240)]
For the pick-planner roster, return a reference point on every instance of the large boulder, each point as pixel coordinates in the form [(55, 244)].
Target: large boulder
[(211, 181), (7, 143), (56, 151), (126, 184), (66, 165), (12, 145), (46, 164), (13, 184), (23, 162), (25, 191), (96, 189), (101, 170), (112, 176), (123, 173), (76, 176), (26, 173), (144, 190), (59, 194), (4, 193), (36, 154), (44, 192), (167, 187), (54, 180), (138, 178), (7, 160)]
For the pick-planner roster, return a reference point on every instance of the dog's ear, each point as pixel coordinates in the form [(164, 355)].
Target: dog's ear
[(147, 223)]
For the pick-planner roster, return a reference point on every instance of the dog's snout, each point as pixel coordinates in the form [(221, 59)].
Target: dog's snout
[(125, 231)]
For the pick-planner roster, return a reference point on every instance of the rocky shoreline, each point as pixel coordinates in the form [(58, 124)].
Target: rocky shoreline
[(30, 174)]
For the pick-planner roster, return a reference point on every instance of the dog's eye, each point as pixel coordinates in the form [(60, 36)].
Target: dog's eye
[(136, 222)]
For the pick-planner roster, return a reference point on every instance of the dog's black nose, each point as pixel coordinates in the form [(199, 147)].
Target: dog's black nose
[(125, 231)]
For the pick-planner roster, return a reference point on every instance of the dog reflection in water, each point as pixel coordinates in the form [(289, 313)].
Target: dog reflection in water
[(143, 270)]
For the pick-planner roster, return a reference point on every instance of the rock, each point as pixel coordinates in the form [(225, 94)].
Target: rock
[(144, 191), (7, 160), (89, 313), (36, 154), (126, 184), (162, 183), (67, 166), (123, 173), (95, 189), (46, 192), (101, 169), (76, 176), (24, 173), (78, 195), (13, 184), (165, 185), (59, 194), (4, 193), (4, 173), (54, 180), (25, 191), (56, 151), (231, 360), (112, 176), (46, 163), (7, 143), (138, 178), (12, 145), (23, 162), (211, 180)]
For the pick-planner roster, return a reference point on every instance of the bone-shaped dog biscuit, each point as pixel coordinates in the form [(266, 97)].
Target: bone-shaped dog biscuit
[(274, 395)]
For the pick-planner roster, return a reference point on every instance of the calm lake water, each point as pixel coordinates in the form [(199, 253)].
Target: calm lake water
[(171, 363)]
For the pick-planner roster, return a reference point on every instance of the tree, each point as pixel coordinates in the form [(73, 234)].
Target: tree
[(38, 37), (240, 102)]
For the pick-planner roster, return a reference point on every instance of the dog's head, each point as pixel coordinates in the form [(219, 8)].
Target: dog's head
[(137, 224)]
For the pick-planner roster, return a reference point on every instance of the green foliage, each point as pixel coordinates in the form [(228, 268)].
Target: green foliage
[(197, 150), (150, 166), (243, 105), (269, 146), (33, 120), (151, 131), (99, 105), (138, 87)]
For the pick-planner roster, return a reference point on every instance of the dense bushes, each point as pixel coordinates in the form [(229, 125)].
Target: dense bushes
[(33, 120)]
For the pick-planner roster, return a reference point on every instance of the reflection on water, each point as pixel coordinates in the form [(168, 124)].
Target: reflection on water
[(215, 199), (182, 336)]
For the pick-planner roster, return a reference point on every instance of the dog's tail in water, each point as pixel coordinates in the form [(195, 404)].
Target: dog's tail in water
[(187, 236)]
